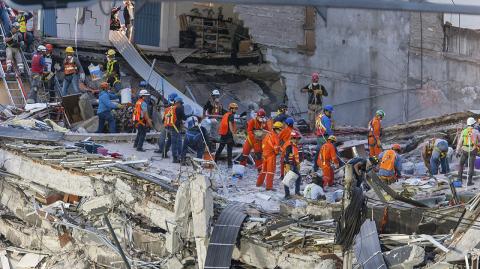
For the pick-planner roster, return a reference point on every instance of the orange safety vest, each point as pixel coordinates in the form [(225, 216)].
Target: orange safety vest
[(223, 128), (170, 116), (137, 112), (296, 155), (217, 109), (252, 126), (69, 66), (388, 160)]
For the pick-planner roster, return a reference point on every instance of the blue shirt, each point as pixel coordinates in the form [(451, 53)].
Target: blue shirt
[(105, 103), (327, 123), (397, 164)]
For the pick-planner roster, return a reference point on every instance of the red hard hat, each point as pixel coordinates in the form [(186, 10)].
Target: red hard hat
[(261, 113), (315, 76), (396, 147), (49, 47)]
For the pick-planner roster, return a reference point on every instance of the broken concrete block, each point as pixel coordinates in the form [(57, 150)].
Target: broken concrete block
[(174, 263), (404, 257), (97, 205)]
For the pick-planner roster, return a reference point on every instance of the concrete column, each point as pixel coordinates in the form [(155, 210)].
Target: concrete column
[(183, 212), (164, 25)]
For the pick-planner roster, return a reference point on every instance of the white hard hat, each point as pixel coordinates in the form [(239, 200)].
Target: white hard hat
[(470, 121), (144, 93), (215, 92), (42, 48)]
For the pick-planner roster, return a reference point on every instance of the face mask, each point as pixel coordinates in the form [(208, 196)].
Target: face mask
[(69, 56), (315, 83), (217, 100)]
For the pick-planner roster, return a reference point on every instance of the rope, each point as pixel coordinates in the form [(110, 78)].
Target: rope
[(352, 219)]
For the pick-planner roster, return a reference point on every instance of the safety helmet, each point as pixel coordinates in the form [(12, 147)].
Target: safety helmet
[(328, 108), (277, 125), (397, 147), (289, 121), (470, 121), (178, 99), (332, 138), (172, 96), (104, 85), (295, 135), (261, 113), (215, 92), (315, 77), (142, 83), (16, 25), (41, 48), (49, 47), (374, 160), (282, 107), (232, 105), (111, 52), (380, 113), (144, 93), (69, 50)]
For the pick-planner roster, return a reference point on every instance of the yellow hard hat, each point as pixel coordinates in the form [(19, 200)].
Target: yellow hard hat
[(332, 138), (278, 125), (69, 50), (111, 52), (232, 105)]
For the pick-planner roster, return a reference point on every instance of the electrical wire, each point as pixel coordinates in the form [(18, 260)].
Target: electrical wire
[(352, 219)]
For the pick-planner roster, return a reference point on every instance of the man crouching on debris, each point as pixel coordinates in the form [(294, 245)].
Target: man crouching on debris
[(291, 161), (105, 107), (141, 119), (434, 152), (390, 164), (467, 148), (194, 138)]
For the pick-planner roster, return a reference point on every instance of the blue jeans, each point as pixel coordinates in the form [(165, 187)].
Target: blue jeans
[(434, 165), (194, 142), (140, 138), (164, 146), (70, 79), (176, 144), (5, 20), (103, 117)]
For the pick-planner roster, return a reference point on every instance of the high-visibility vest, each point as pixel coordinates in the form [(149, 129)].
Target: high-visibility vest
[(69, 66), (170, 116), (36, 66), (321, 130), (137, 112), (217, 109), (223, 128), (23, 23), (468, 138), (295, 156), (388, 160)]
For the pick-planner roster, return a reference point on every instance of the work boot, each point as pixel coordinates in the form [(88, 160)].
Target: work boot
[(287, 197), (141, 150), (470, 183), (175, 160)]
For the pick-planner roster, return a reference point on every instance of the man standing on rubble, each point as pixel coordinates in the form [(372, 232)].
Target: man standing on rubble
[(213, 107), (49, 71), (256, 130), (390, 164), (291, 161), (323, 129), (194, 138), (141, 119), (227, 130), (105, 107), (112, 70), (38, 67), (316, 92), (165, 139), (374, 133), (73, 71), (284, 138), (178, 116), (14, 41), (327, 157), (467, 148), (270, 149), (434, 153)]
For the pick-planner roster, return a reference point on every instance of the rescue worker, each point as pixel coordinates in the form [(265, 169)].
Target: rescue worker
[(213, 107), (390, 164), (226, 130), (434, 153), (105, 106), (315, 92), (178, 116), (284, 137), (112, 70), (360, 167), (72, 68), (256, 129), (22, 19), (291, 161), (467, 148), (194, 138), (327, 157), (14, 41), (4, 17), (115, 24), (128, 17), (281, 114), (165, 140), (49, 71), (141, 119), (323, 129), (38, 67), (270, 149), (375, 133)]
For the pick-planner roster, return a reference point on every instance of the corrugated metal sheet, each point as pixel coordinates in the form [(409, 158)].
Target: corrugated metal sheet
[(50, 22), (131, 55), (224, 237), (147, 23), (367, 247)]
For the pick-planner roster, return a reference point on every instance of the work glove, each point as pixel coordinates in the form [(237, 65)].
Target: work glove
[(82, 77), (287, 168), (57, 67)]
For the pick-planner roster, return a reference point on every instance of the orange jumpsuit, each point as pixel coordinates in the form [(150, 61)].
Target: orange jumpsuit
[(284, 138), (270, 149), (252, 143), (327, 156), (374, 133)]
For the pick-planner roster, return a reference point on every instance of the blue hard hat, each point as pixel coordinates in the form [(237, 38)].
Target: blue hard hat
[(172, 96), (328, 108), (143, 83), (289, 121), (178, 99)]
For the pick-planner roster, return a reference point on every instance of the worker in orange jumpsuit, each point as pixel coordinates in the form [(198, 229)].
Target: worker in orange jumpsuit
[(374, 133), (259, 123), (284, 137), (327, 157), (270, 149)]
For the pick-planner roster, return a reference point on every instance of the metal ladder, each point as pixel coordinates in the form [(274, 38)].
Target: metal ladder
[(13, 84)]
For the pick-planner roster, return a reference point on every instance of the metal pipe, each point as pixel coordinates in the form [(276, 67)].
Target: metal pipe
[(115, 239)]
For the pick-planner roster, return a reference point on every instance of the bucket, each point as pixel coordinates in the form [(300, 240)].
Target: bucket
[(238, 170), (95, 72), (126, 95), (289, 179)]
